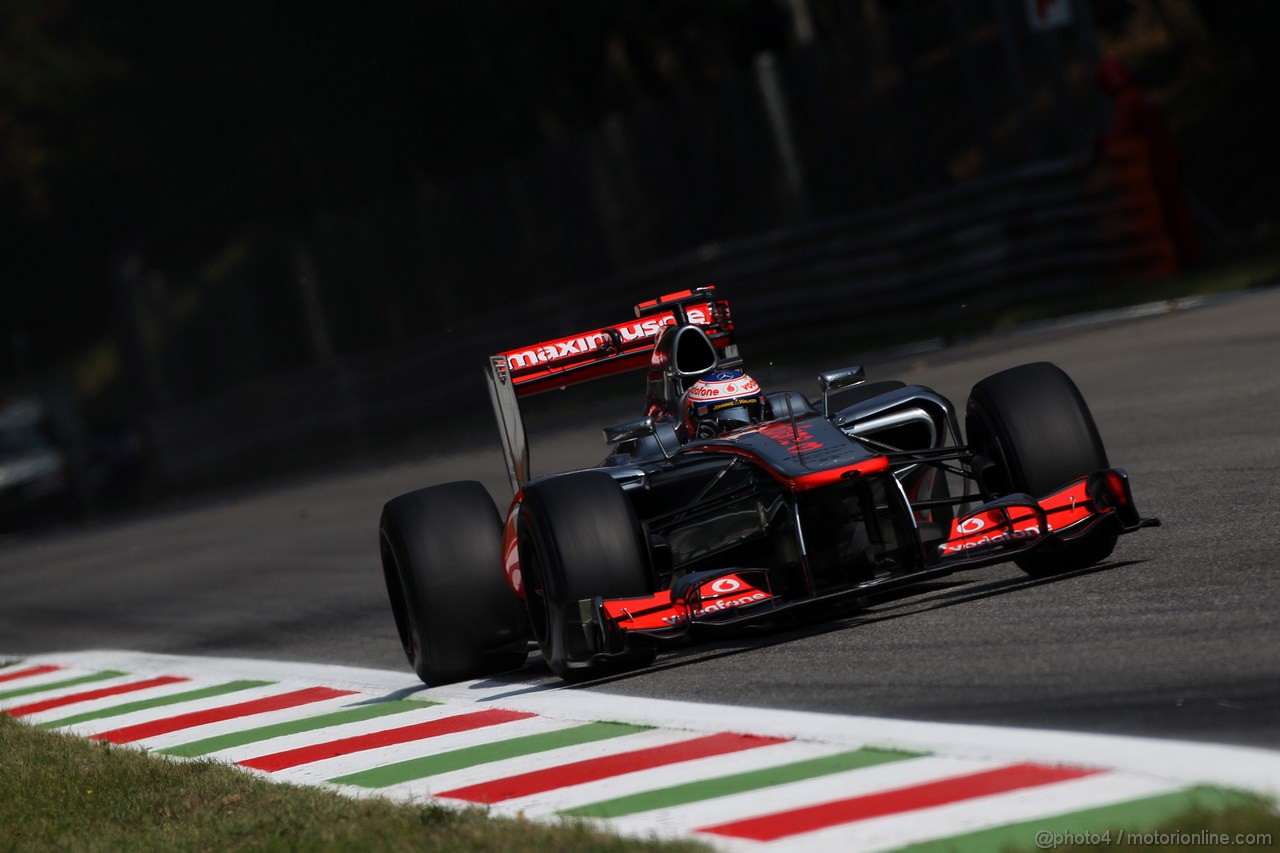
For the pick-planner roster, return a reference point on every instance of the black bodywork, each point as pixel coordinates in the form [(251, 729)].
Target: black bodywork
[(868, 488)]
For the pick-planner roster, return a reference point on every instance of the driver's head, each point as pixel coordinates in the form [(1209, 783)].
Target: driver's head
[(720, 401)]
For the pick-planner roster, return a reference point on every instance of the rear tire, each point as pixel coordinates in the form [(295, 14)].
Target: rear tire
[(456, 616), (579, 538), (1033, 425)]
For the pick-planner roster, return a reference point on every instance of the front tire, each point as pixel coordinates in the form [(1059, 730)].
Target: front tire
[(1032, 425), (579, 538), (441, 559)]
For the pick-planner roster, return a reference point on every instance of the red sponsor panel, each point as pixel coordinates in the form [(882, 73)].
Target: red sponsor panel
[(794, 437), (990, 529), (646, 307), (818, 479), (609, 340), (606, 351), (374, 740), (658, 611), (1002, 780), (128, 734), (1068, 506), (643, 614), (88, 695), (596, 769)]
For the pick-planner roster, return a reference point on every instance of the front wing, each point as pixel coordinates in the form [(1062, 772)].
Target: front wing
[(993, 532)]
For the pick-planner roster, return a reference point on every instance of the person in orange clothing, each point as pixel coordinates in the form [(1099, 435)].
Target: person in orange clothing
[(1135, 118)]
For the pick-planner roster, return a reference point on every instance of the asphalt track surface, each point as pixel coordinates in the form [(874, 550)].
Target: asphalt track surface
[(1175, 636)]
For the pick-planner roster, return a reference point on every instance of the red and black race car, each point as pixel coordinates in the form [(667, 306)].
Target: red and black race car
[(803, 506)]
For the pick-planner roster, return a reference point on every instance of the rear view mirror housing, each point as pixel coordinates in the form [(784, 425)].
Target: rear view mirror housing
[(835, 380), (629, 431)]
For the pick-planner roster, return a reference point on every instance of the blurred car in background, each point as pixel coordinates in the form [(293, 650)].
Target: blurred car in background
[(54, 466), (35, 472)]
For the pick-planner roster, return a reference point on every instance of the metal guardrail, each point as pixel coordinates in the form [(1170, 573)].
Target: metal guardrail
[(1048, 230)]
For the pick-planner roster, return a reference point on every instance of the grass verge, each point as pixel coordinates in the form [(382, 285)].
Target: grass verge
[(63, 793)]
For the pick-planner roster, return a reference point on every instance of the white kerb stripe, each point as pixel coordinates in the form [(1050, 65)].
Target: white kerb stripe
[(331, 733), (356, 762), (547, 760), (62, 692), (1043, 801), (239, 724), (93, 727), (678, 820), (41, 680), (94, 706), (711, 767)]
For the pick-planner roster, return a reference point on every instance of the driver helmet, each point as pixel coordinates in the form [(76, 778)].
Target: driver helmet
[(720, 401)]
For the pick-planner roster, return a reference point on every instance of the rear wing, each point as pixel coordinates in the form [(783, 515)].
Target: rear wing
[(591, 355)]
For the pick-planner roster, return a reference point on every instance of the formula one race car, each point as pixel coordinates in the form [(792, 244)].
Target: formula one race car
[(791, 507)]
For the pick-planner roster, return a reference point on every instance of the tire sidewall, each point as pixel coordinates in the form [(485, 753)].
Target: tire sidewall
[(579, 538), (1033, 423), (456, 617)]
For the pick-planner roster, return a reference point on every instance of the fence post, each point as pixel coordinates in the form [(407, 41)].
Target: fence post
[(775, 105), (312, 307)]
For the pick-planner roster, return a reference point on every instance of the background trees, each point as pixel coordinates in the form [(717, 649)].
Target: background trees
[(176, 178)]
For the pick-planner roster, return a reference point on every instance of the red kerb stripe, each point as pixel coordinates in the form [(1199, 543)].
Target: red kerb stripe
[(101, 693), (373, 740), (28, 672), (595, 769), (956, 789), (226, 712)]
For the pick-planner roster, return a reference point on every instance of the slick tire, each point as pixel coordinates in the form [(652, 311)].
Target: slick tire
[(579, 538), (1033, 425), (441, 559)]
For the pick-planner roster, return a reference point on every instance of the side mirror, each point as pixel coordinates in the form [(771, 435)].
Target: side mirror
[(834, 380), (629, 431)]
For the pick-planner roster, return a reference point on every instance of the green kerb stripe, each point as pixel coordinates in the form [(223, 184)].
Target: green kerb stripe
[(433, 765), (1132, 816), (55, 685), (751, 780), (160, 701), (293, 727)]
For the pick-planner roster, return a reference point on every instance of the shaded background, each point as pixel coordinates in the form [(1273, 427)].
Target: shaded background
[(248, 234)]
